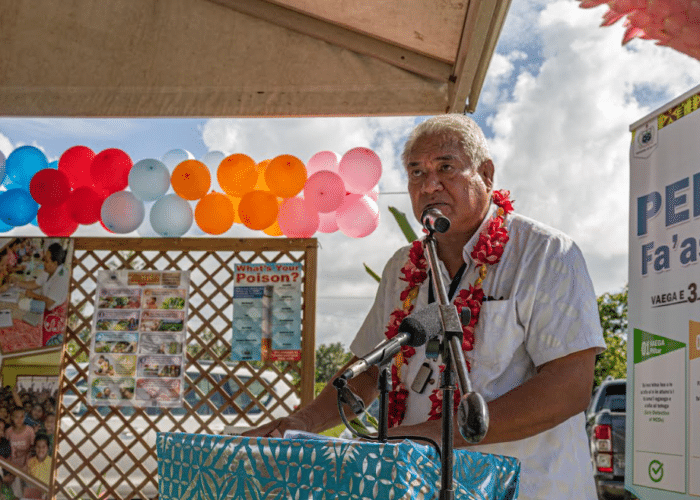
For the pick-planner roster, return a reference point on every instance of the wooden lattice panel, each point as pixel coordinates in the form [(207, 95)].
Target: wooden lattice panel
[(109, 452)]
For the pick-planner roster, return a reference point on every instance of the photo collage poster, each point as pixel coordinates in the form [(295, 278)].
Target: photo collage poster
[(137, 353), (267, 312)]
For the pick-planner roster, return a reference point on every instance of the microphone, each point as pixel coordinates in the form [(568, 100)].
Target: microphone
[(411, 333), (433, 220)]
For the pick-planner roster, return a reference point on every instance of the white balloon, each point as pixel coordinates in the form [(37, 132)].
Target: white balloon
[(174, 157), (212, 160), (171, 216), (122, 212), (149, 179)]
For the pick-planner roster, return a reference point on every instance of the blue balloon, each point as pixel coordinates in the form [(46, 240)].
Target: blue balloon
[(17, 207), (5, 228), (54, 165), (23, 163)]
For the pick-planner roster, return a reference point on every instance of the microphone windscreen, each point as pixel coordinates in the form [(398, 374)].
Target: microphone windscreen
[(415, 329)]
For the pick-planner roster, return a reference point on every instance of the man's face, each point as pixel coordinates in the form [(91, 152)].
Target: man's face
[(441, 176)]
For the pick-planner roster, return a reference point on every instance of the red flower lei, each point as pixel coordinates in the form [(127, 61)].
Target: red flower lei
[(487, 250)]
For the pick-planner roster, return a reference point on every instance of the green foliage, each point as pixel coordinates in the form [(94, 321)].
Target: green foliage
[(612, 308), (329, 359)]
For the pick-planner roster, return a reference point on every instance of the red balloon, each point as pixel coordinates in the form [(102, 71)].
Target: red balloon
[(49, 187), (84, 205), (110, 170), (56, 220), (75, 163)]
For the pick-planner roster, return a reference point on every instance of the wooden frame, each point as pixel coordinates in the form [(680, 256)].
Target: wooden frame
[(82, 468)]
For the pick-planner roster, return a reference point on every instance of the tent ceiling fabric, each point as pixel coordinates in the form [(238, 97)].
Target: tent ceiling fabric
[(245, 57)]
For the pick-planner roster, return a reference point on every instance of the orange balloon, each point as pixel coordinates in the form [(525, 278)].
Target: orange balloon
[(285, 175), (273, 230), (214, 213), (258, 209), (235, 202), (191, 179), (261, 167), (237, 175)]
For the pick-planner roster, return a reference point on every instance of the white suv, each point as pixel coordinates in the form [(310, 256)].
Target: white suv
[(103, 434)]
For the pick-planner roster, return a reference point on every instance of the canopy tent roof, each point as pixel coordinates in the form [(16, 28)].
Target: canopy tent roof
[(245, 57)]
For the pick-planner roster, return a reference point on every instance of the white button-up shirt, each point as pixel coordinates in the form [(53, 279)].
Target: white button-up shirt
[(540, 306)]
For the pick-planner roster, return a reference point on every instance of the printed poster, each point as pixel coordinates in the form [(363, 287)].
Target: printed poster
[(267, 312), (138, 344), (34, 295), (663, 441)]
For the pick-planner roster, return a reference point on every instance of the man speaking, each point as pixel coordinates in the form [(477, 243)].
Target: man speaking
[(534, 332)]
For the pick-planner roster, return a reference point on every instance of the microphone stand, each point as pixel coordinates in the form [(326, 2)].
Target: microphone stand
[(384, 386), (451, 355)]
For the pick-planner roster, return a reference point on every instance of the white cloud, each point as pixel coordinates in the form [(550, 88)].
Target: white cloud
[(561, 140), (6, 146)]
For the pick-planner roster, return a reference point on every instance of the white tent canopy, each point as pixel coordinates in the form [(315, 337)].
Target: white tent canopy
[(245, 57)]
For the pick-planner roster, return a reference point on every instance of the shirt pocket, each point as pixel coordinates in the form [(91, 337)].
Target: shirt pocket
[(497, 340)]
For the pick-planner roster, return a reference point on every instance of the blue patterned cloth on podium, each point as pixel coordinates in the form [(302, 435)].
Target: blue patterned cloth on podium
[(217, 467)]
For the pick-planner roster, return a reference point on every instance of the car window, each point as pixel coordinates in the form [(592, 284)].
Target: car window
[(615, 403)]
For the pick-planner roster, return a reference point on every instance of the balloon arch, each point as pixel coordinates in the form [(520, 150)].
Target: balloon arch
[(281, 196)]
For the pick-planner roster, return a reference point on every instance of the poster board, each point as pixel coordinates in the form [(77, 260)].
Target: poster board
[(663, 359), (137, 351), (266, 320)]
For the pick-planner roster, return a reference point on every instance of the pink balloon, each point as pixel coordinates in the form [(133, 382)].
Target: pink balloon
[(324, 191), (358, 216), (328, 223), (323, 160), (374, 193), (296, 220), (361, 169)]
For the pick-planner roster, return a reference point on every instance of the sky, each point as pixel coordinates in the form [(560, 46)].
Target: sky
[(556, 106)]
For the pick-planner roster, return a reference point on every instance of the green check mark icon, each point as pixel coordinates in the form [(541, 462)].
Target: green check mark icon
[(656, 471)]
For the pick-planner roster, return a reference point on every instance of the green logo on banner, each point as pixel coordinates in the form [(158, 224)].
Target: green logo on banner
[(648, 345)]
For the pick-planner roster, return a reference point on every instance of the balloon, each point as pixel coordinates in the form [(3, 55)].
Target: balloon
[(324, 191), (49, 187), (261, 167), (17, 207), (235, 202), (295, 219), (145, 229), (149, 179), (22, 164), (374, 193), (214, 213), (171, 216), (55, 220), (191, 179), (174, 157), (53, 164), (2, 167), (258, 209), (5, 227), (361, 169), (237, 175), (84, 205), (358, 216), (323, 160), (122, 212), (212, 159), (273, 230), (110, 170), (75, 163), (327, 223), (285, 176)]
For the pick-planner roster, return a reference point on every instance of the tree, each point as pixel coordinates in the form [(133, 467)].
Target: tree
[(612, 308), (329, 359)]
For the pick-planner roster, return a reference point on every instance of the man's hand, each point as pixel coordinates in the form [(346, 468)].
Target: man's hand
[(277, 428)]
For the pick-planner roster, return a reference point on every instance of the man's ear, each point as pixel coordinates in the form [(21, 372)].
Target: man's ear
[(486, 171)]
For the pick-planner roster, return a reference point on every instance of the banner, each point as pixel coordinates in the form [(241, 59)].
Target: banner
[(663, 422), (137, 351), (267, 312), (34, 296)]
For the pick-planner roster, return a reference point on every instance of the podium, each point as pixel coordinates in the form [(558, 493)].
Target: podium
[(203, 466)]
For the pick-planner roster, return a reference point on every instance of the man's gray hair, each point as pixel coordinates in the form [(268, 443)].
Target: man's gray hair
[(464, 129)]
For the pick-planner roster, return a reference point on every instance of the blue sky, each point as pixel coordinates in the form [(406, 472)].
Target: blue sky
[(559, 97)]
